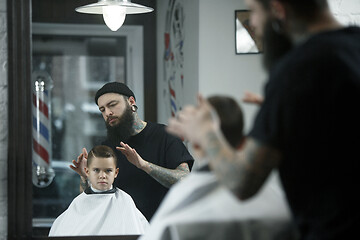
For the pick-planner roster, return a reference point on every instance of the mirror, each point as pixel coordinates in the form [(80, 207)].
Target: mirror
[(44, 20), (79, 59), (246, 42)]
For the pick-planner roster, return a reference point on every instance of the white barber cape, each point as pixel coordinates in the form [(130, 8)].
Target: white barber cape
[(100, 214), (198, 207)]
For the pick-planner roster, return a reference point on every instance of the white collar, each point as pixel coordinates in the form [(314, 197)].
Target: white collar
[(98, 191)]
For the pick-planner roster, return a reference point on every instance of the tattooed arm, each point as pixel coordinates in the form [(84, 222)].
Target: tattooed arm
[(242, 172), (165, 176)]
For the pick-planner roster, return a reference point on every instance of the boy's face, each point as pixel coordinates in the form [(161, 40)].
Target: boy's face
[(101, 173)]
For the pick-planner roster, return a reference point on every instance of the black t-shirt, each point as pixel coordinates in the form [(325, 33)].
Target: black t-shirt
[(311, 114), (154, 145)]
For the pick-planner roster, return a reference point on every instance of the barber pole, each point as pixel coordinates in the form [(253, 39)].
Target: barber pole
[(42, 174), (172, 100)]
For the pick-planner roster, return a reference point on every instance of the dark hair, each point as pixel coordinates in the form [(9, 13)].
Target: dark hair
[(114, 87), (304, 10), (276, 45), (277, 42), (231, 118), (101, 151)]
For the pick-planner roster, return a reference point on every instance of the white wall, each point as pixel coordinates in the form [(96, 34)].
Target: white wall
[(221, 70), (190, 61), (3, 120), (347, 12), (210, 63)]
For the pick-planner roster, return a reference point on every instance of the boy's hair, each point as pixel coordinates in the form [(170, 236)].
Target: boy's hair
[(231, 118), (101, 151)]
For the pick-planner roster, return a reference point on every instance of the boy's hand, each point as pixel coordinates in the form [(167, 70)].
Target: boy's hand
[(250, 97)]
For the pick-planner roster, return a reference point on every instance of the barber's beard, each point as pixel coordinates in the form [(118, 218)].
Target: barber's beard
[(276, 45), (123, 130)]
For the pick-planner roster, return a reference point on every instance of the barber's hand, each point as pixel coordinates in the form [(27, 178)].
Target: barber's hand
[(250, 97), (80, 164), (132, 156), (195, 123)]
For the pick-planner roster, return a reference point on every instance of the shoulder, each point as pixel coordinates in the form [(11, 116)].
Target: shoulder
[(80, 196), (123, 195), (312, 58), (155, 126), (78, 199), (327, 45), (338, 37), (157, 130)]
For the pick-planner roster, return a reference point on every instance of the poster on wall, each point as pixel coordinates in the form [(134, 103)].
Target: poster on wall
[(173, 91)]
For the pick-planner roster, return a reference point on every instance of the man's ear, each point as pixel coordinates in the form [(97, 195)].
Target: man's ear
[(132, 100), (278, 10)]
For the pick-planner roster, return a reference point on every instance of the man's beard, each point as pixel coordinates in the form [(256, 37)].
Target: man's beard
[(276, 45), (123, 130)]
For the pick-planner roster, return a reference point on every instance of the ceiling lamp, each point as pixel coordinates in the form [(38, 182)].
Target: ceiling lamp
[(114, 11)]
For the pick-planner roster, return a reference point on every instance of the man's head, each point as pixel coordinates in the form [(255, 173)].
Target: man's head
[(101, 167), (114, 87), (117, 105), (278, 21), (290, 12), (231, 119)]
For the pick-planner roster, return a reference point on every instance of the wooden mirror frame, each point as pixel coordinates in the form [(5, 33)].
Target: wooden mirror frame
[(19, 117)]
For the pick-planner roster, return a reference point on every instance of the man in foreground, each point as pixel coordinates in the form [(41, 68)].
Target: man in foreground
[(307, 126)]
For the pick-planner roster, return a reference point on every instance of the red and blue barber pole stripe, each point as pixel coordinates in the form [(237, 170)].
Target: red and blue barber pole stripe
[(172, 100), (42, 172)]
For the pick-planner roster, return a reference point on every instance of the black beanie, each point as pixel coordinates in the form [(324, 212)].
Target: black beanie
[(114, 87)]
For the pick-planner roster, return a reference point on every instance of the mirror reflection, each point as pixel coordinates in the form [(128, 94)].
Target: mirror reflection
[(246, 40), (78, 65)]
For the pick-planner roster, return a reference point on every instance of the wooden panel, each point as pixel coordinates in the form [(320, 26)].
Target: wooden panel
[(20, 148)]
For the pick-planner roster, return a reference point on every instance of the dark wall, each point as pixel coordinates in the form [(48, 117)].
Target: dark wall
[(63, 11)]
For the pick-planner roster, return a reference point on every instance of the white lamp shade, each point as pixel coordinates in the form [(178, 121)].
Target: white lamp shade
[(114, 16), (128, 6)]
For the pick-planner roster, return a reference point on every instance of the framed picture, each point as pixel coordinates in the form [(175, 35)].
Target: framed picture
[(246, 42)]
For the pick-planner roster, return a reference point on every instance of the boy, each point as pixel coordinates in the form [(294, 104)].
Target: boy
[(101, 209), (208, 210)]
